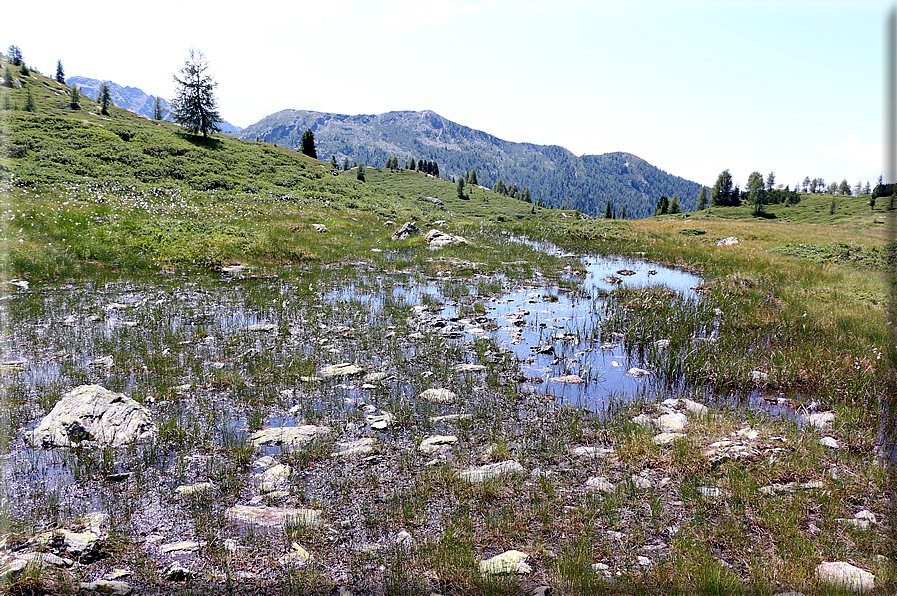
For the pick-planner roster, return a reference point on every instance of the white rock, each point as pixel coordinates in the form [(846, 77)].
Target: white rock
[(439, 395), (512, 561), (821, 420), (708, 491), (759, 377), (866, 515), (489, 471), (91, 413), (670, 423), (641, 420), (435, 442), (600, 483), (640, 482), (104, 586), (405, 539), (829, 442), (643, 561), (845, 576), (593, 452), (698, 409), (666, 438), (297, 557), (638, 372), (731, 240), (262, 327), (292, 436), (353, 448)]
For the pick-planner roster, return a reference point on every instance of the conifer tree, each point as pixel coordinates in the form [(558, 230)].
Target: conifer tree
[(500, 188), (194, 106), (607, 213), (472, 178), (526, 195), (60, 73), (15, 55), (461, 188), (104, 99), (75, 98), (308, 144), (771, 181), (844, 188), (159, 111), (333, 163), (345, 164), (29, 101), (674, 204), (412, 165), (623, 215), (7, 77), (702, 199), (721, 194), (360, 174)]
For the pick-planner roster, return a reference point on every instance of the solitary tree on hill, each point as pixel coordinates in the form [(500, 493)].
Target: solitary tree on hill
[(461, 187), (333, 163), (15, 55), (194, 106), (158, 110), (104, 99), (75, 98), (60, 72), (308, 144)]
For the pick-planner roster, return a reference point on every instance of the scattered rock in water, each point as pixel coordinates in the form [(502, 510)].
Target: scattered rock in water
[(489, 471), (611, 279), (448, 418), (600, 483), (379, 421), (469, 368), (508, 562), (93, 414), (353, 448), (439, 395), (191, 489), (730, 241), (844, 576), (297, 557), (342, 369), (407, 230), (670, 423), (106, 586), (638, 373), (274, 478), (274, 516), (375, 377), (290, 436), (262, 327), (436, 443), (593, 452), (666, 438), (626, 272), (569, 380), (662, 344)]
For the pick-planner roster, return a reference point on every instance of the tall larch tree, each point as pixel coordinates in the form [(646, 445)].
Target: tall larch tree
[(194, 105), (104, 98)]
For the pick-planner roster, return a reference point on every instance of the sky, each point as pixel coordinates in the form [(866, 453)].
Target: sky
[(694, 87)]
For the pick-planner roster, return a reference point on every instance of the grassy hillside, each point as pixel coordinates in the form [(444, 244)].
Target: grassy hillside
[(553, 174), (134, 193)]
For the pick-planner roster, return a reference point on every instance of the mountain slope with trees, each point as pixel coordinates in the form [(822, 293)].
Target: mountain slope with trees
[(555, 176)]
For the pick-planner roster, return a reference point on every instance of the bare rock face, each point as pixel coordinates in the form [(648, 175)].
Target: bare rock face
[(407, 230), (91, 414)]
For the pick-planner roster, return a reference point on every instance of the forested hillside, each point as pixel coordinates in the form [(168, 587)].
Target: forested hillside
[(554, 175)]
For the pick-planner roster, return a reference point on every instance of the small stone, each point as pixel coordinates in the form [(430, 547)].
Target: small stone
[(407, 230), (342, 369), (404, 539), (593, 452), (262, 327), (600, 483), (320, 228), (439, 395), (640, 482), (104, 586), (569, 380), (731, 240), (821, 420), (354, 448), (662, 344), (866, 515), (375, 377), (297, 557), (841, 575), (509, 562), (638, 372), (435, 442), (489, 471), (695, 408), (759, 377), (708, 491), (862, 524), (829, 442), (641, 420), (176, 573), (643, 561), (186, 545), (600, 567), (273, 516), (190, 489), (666, 438), (292, 436), (469, 368)]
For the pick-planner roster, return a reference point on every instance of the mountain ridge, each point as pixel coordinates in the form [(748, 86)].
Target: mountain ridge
[(554, 174)]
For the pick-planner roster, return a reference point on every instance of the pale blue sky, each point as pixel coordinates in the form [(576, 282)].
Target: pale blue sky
[(693, 87)]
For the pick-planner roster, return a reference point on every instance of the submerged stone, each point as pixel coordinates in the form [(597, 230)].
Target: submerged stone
[(439, 395), (342, 369), (353, 448), (93, 414), (291, 436), (569, 380)]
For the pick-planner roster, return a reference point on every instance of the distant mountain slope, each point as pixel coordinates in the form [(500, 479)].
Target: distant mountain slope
[(131, 98), (554, 175)]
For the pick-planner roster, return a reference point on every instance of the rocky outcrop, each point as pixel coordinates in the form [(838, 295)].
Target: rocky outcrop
[(91, 414), (407, 230), (439, 239)]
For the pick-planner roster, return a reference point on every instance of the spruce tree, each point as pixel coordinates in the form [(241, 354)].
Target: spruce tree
[(104, 99), (526, 195), (461, 188), (333, 163), (674, 204), (607, 214), (60, 73), (15, 55), (702, 199), (75, 98), (194, 106), (472, 179), (308, 144), (500, 187), (412, 165), (721, 194), (7, 77), (159, 111), (360, 174), (345, 164)]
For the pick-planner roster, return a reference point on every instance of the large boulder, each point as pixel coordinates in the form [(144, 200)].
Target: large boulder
[(438, 239), (407, 230), (91, 414)]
